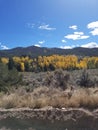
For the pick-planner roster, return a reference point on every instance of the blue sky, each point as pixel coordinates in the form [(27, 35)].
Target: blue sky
[(48, 23)]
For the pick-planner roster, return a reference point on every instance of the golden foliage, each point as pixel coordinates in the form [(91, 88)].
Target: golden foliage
[(44, 63), (4, 60)]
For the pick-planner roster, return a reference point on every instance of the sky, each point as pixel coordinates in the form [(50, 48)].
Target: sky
[(48, 23)]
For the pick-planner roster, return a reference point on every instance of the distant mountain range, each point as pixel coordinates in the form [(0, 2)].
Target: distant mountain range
[(34, 51)]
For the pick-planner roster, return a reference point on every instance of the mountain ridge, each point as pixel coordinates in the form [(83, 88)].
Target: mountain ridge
[(34, 51)]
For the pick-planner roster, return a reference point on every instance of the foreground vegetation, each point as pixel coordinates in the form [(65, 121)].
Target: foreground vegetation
[(59, 89), (45, 97), (8, 78)]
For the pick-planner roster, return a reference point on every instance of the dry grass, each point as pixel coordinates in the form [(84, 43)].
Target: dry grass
[(9, 101), (84, 98), (44, 97)]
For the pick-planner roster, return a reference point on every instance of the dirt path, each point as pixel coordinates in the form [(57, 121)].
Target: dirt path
[(71, 118)]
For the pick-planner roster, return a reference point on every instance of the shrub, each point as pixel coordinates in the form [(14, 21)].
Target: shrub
[(57, 79), (84, 80)]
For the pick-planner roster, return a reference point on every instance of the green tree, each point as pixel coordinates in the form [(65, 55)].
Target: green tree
[(10, 64), (8, 78)]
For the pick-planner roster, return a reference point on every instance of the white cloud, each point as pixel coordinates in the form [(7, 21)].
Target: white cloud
[(3, 47), (94, 32), (46, 27), (90, 45), (78, 33), (74, 27), (66, 47), (63, 41), (94, 27), (41, 42), (37, 45), (76, 36)]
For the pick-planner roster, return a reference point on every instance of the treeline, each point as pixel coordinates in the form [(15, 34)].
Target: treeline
[(49, 63)]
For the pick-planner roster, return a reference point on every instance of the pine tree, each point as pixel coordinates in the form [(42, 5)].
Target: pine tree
[(10, 64)]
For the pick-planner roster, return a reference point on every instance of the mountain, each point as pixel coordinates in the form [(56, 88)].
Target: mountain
[(34, 51)]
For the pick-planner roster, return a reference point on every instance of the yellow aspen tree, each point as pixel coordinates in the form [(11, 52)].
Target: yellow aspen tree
[(22, 67), (4, 60)]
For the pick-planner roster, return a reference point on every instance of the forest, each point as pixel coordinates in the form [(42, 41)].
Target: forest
[(50, 63)]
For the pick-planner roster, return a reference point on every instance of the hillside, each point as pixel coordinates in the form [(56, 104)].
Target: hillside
[(34, 51)]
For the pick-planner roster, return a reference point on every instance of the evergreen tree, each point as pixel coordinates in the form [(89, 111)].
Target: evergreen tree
[(10, 64)]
